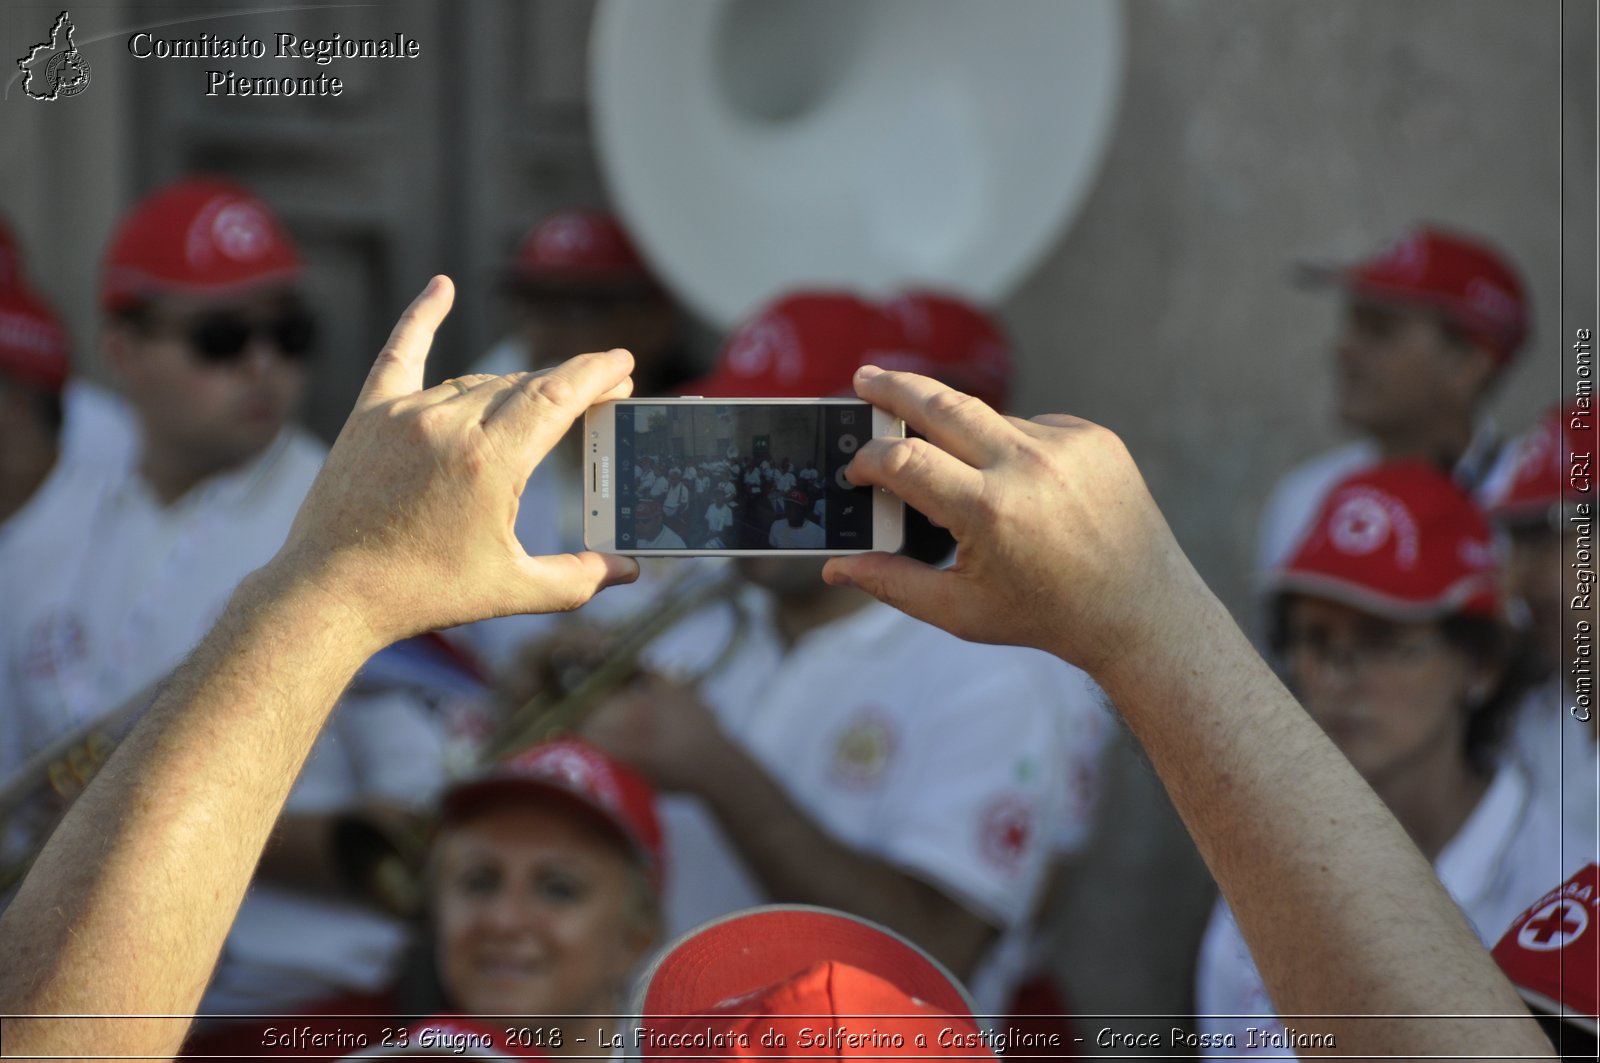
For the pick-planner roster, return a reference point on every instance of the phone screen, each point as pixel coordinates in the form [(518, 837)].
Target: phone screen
[(705, 476)]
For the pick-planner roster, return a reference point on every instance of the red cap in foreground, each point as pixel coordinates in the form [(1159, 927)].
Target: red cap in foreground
[(797, 982)]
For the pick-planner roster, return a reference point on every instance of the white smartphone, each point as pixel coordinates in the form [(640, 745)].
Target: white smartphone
[(717, 477)]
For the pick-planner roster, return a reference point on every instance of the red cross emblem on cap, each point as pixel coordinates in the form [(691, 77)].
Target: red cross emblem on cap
[(1360, 526)]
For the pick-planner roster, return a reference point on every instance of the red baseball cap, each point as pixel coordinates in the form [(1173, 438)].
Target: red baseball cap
[(200, 236), (950, 339), (1400, 540), (1552, 952), (574, 771), (1466, 279), (805, 344), (33, 343), (789, 981), (579, 248), (1536, 475)]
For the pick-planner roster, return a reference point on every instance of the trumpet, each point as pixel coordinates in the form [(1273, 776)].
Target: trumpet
[(563, 704)]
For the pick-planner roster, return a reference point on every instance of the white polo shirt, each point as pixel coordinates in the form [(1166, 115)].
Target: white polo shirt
[(1510, 851), (960, 763), (106, 589)]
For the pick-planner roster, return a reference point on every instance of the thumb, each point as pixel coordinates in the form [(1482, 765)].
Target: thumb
[(927, 593), (561, 582)]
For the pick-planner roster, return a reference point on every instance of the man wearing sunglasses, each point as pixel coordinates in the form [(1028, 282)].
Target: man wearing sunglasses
[(108, 585), (207, 332)]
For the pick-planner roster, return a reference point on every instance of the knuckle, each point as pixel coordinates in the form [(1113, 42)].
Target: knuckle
[(475, 458), (555, 390), (950, 402), (905, 456), (426, 424), (570, 595)]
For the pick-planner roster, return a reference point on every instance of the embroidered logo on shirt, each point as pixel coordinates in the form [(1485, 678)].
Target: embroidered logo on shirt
[(54, 642), (863, 749), (1005, 830)]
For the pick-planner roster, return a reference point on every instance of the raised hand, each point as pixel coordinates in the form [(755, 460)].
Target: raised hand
[(410, 524)]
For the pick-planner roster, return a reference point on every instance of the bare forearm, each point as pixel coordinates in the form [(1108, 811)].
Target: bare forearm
[(127, 908), (1287, 828), (800, 863)]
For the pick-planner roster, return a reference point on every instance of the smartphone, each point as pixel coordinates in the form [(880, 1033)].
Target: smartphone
[(717, 477)]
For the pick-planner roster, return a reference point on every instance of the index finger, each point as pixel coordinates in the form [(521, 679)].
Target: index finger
[(957, 424), (398, 369), (538, 410)]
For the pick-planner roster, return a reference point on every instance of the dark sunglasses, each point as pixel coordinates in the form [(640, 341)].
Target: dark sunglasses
[(222, 338)]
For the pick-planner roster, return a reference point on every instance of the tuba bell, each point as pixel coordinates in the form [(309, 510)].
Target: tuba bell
[(759, 145)]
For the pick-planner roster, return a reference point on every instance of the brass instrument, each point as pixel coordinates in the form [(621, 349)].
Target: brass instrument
[(561, 708)]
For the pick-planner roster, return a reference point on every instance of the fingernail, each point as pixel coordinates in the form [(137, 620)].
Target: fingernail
[(867, 372), (835, 578)]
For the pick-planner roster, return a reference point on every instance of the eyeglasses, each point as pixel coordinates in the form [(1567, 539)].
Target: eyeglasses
[(1376, 653), (223, 338)]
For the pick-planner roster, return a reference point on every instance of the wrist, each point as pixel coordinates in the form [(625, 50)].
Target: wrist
[(306, 601), (1175, 615)]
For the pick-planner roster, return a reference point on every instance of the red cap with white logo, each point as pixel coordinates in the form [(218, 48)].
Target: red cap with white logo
[(201, 236), (1400, 540), (579, 248), (1552, 952), (952, 340), (1537, 472), (33, 343), (788, 981), (806, 344), (1467, 280), (574, 771)]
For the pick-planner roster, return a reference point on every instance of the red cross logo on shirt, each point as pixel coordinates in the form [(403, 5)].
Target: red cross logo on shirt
[(1006, 830), (1554, 926)]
